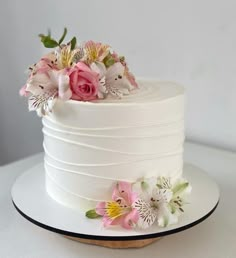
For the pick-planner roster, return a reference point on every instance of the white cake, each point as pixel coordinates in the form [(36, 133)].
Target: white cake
[(113, 145), (89, 146)]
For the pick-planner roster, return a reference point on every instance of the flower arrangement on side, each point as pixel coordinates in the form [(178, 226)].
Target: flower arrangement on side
[(82, 72), (143, 203)]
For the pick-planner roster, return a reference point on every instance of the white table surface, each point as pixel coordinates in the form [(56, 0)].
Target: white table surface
[(213, 238)]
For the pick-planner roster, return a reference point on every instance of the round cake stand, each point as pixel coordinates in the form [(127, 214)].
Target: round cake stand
[(31, 200)]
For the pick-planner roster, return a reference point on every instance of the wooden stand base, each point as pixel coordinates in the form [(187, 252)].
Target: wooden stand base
[(116, 244)]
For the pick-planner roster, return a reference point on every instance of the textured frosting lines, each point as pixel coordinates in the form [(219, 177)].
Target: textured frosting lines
[(90, 146)]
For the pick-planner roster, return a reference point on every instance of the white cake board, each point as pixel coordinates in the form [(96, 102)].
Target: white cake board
[(31, 200)]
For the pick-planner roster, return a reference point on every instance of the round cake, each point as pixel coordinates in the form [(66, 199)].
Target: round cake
[(113, 144), (89, 146)]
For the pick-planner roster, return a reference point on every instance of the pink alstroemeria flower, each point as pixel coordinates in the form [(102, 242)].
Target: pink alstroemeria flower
[(45, 64), (95, 51), (119, 211)]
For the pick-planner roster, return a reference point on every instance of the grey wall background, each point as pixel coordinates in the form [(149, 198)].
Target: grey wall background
[(192, 42)]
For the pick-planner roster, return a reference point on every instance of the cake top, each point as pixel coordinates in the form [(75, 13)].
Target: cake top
[(82, 72), (148, 91)]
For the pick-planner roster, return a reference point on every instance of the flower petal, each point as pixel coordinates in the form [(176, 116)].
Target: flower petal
[(113, 71), (108, 221), (181, 187), (165, 217), (101, 208), (144, 188), (23, 91), (82, 66), (162, 195), (99, 68), (42, 103), (64, 90), (50, 103), (102, 90), (131, 79), (90, 76), (130, 219), (40, 111), (147, 215), (76, 97), (116, 81), (122, 191), (40, 83), (73, 78), (164, 183)]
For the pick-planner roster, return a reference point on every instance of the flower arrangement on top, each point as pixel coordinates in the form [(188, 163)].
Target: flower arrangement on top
[(79, 72)]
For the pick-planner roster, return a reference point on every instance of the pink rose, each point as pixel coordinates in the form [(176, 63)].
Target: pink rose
[(83, 82)]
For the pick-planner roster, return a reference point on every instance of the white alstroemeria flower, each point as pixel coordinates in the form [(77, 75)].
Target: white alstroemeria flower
[(112, 80), (153, 207), (180, 189), (100, 68), (160, 200), (117, 83), (42, 103)]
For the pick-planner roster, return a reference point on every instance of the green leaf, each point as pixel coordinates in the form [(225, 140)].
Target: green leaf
[(63, 36), (47, 41), (42, 36), (109, 61), (178, 189), (91, 214), (73, 43)]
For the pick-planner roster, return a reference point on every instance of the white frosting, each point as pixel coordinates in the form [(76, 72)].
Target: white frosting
[(89, 146)]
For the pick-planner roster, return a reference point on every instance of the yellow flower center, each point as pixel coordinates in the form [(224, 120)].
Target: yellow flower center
[(95, 52), (91, 52), (114, 210), (66, 57)]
